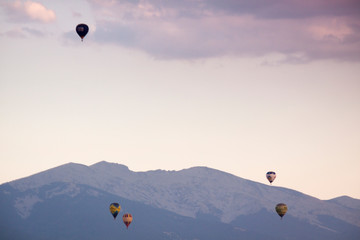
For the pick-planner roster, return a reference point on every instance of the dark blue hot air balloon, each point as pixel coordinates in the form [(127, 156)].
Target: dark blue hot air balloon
[(82, 29)]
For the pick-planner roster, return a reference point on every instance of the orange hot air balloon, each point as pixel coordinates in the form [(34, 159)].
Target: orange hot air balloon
[(127, 218)]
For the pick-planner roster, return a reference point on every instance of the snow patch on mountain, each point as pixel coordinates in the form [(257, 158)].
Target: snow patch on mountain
[(25, 204), (71, 190)]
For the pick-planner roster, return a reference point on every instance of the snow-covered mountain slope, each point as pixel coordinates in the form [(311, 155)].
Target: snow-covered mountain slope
[(191, 192), (69, 211), (347, 202)]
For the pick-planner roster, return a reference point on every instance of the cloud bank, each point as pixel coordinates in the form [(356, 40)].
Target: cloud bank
[(19, 11), (190, 29)]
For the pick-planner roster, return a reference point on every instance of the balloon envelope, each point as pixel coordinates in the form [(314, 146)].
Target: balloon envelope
[(127, 218), (82, 29), (271, 176), (281, 209), (115, 209)]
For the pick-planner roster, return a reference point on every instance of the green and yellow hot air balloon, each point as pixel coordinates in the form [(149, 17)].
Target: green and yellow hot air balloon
[(281, 209)]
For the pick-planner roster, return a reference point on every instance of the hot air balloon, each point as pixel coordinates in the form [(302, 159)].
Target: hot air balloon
[(127, 218), (82, 29), (115, 209), (281, 209), (271, 176)]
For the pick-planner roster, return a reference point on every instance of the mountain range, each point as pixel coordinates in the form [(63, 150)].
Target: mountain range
[(72, 202)]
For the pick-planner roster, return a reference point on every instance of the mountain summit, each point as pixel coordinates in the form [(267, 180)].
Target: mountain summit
[(199, 194)]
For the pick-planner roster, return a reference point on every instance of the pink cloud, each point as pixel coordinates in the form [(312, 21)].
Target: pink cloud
[(336, 28), (25, 11)]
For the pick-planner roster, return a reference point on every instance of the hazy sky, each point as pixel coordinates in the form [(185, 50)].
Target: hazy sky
[(240, 86)]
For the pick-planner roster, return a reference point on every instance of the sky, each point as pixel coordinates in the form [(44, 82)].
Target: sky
[(241, 86)]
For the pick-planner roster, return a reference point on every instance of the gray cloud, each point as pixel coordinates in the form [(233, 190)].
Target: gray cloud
[(33, 32), (23, 32), (13, 34), (207, 28), (278, 9), (76, 15)]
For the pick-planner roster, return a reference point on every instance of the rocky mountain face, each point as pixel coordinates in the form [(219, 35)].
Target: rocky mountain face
[(195, 203)]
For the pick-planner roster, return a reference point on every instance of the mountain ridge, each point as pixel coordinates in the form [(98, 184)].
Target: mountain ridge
[(221, 203), (189, 192)]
